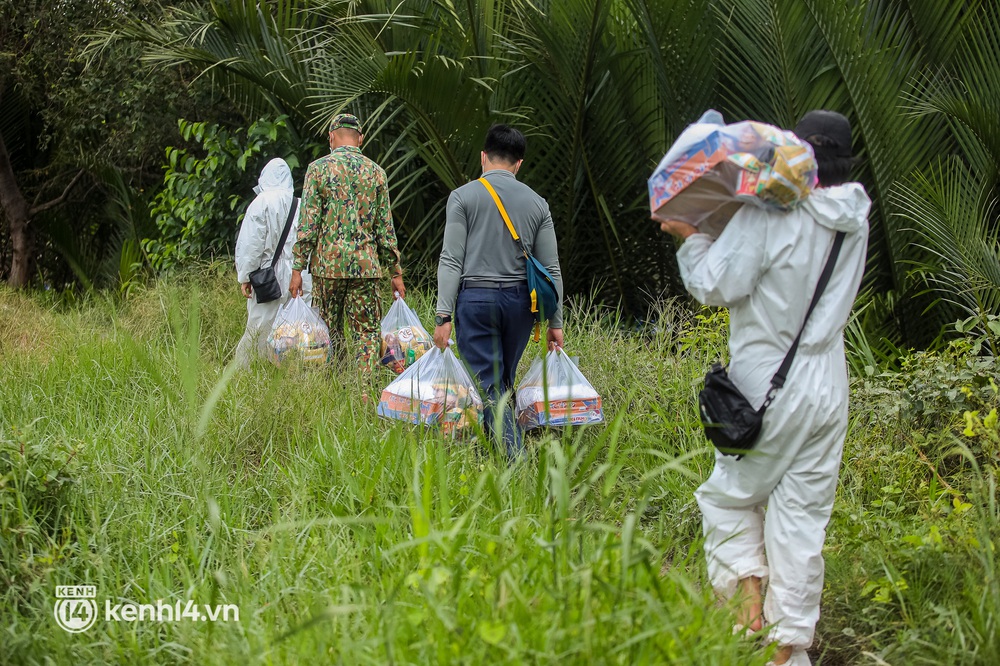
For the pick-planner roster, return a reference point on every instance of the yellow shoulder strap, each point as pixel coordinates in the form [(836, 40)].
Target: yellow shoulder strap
[(503, 211)]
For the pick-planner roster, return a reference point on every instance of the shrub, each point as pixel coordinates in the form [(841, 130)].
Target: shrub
[(35, 493), (206, 192)]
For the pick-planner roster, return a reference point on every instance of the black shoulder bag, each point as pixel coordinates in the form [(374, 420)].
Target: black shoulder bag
[(730, 421), (263, 280)]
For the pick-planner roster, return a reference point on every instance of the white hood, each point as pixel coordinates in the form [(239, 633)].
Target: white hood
[(841, 208), (263, 223), (275, 176)]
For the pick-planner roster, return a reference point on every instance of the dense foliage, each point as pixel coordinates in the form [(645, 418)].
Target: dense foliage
[(207, 190), (85, 137), (603, 86)]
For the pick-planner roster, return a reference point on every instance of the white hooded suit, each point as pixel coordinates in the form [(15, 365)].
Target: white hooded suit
[(764, 267), (259, 234)]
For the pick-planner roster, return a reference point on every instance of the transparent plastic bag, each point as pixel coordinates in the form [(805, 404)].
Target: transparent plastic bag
[(298, 333), (557, 394), (712, 169), (436, 390), (404, 339)]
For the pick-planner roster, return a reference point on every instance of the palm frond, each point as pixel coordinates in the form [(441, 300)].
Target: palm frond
[(966, 87), (876, 53), (606, 98), (951, 208), (602, 87), (773, 63), (251, 49)]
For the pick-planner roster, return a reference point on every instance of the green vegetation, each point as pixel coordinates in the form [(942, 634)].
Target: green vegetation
[(90, 102), (602, 88), (82, 142), (202, 195), (133, 459)]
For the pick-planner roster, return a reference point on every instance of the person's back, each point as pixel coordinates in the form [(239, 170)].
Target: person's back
[(347, 240), (765, 267), (263, 223), (776, 262), (348, 188), (482, 276), (490, 251), (266, 216)]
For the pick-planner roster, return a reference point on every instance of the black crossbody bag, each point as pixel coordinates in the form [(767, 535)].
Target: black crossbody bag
[(730, 421), (263, 280)]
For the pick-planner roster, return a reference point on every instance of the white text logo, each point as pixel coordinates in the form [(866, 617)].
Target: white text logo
[(175, 612), (76, 609)]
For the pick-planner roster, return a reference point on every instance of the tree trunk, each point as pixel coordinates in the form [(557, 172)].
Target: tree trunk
[(18, 216)]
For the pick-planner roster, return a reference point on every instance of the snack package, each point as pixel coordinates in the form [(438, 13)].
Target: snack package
[(436, 390), (402, 334), (571, 399), (713, 168), (298, 333)]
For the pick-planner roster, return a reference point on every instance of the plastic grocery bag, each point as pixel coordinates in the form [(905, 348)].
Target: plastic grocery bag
[(298, 333), (559, 396), (712, 169), (436, 390), (404, 339)]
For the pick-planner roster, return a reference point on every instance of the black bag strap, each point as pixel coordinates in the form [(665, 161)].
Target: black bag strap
[(284, 232), (824, 278)]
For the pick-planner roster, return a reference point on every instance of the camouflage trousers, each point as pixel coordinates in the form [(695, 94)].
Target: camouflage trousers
[(356, 303)]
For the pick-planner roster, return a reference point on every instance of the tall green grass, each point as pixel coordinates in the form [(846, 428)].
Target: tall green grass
[(134, 458)]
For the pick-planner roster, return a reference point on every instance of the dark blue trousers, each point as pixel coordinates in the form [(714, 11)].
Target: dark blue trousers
[(493, 327)]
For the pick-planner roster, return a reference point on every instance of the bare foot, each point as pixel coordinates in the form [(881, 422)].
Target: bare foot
[(750, 613), (782, 656)]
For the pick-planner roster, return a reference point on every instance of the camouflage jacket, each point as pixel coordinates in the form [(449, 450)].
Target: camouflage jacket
[(345, 225)]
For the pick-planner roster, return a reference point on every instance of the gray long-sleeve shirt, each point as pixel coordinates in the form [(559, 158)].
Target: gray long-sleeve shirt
[(477, 245)]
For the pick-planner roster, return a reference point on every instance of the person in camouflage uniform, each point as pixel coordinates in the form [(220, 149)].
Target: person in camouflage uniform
[(346, 239)]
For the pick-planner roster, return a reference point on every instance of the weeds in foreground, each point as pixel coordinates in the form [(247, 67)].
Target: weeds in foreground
[(133, 458)]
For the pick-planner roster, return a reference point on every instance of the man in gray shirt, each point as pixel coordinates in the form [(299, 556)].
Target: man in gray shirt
[(482, 275)]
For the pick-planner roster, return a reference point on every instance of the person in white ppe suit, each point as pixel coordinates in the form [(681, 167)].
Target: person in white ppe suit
[(764, 267), (258, 238)]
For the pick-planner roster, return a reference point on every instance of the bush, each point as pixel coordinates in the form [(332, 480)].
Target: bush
[(934, 390), (205, 195), (35, 492)]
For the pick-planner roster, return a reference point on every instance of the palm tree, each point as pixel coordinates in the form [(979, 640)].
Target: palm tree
[(951, 202), (252, 50), (585, 78), (603, 86), (605, 101)]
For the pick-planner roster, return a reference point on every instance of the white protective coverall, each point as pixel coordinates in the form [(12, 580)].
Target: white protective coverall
[(764, 267), (259, 234)]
